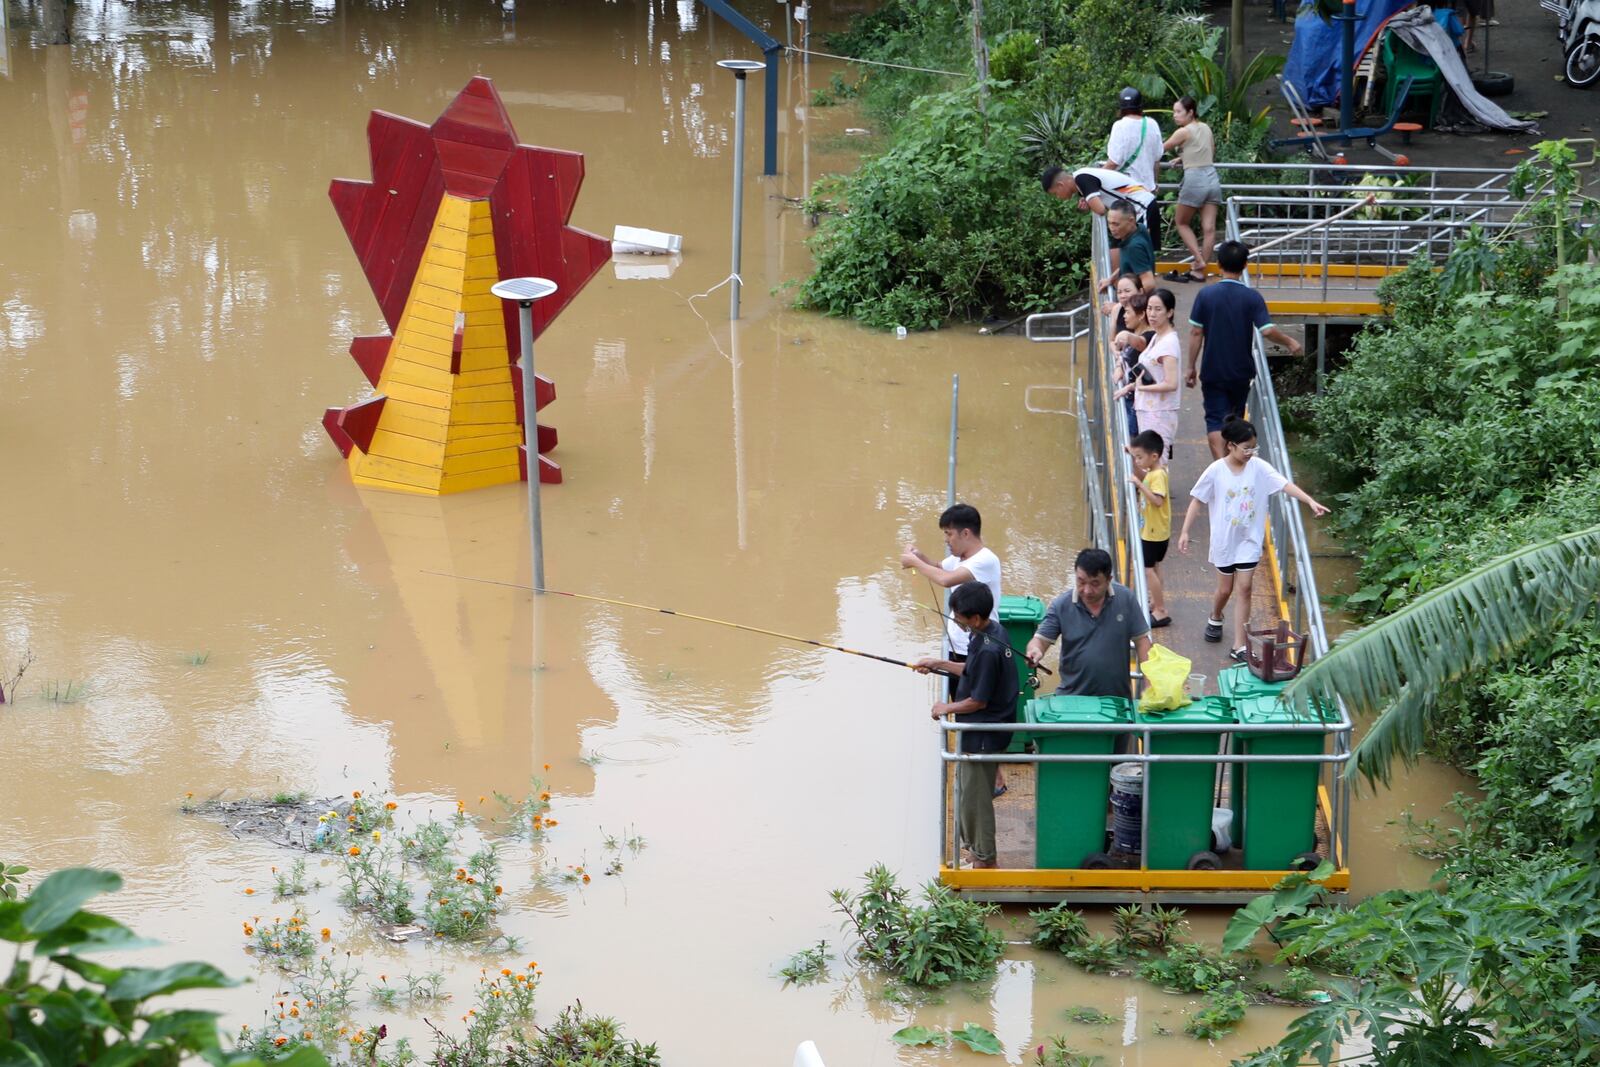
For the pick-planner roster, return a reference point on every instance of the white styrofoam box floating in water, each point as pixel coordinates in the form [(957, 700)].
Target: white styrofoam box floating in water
[(807, 1055), (635, 241)]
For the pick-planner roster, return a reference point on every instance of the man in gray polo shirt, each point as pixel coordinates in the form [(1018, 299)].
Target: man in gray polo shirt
[(1095, 619)]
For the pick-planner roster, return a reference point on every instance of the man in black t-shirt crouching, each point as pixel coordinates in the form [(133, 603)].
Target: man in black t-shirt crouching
[(986, 691)]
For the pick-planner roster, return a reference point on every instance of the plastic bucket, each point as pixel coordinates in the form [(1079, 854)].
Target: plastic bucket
[(1127, 807)]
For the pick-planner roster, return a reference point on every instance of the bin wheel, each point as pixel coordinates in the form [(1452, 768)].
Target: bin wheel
[(1205, 861), (1306, 861), (1096, 861)]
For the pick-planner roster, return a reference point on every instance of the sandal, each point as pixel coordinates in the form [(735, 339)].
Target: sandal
[(1165, 620), (1200, 277), (1178, 276)]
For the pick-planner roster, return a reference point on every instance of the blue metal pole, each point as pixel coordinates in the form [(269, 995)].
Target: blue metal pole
[(769, 159), (1347, 68)]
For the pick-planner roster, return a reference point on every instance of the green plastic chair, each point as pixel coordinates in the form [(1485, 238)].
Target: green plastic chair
[(1401, 61)]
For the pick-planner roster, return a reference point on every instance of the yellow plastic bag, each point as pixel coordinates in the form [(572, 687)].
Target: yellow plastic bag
[(1165, 673)]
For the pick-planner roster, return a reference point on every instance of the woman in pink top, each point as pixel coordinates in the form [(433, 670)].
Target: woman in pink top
[(1155, 392)]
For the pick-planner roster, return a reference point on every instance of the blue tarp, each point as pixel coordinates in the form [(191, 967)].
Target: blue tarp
[(1313, 66)]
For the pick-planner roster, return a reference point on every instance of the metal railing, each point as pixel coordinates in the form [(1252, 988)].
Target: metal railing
[(1114, 524)]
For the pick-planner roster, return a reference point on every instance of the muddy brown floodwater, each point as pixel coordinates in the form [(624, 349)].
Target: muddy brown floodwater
[(219, 612)]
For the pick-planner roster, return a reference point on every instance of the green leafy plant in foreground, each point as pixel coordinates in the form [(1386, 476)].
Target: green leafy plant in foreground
[(1059, 927), (103, 1015), (1224, 1010), (945, 939), (1055, 1052), (11, 880)]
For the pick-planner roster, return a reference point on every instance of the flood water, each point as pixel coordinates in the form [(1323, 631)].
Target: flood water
[(218, 611)]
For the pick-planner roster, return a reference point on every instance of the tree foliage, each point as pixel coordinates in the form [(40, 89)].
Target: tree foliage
[(950, 222)]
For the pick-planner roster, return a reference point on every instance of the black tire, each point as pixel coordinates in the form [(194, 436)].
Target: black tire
[(1583, 62), (1097, 861), (1494, 83), (1205, 861), (1306, 861)]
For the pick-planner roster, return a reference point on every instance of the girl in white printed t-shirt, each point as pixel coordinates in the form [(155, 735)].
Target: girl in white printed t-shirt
[(1235, 488)]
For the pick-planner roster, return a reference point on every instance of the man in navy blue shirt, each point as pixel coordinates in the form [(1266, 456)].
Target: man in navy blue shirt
[(986, 692), (1222, 326)]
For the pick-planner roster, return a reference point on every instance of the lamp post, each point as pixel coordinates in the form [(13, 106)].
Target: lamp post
[(740, 68), (525, 291)]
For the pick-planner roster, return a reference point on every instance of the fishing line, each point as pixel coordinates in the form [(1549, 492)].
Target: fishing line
[(685, 615), (1019, 651), (877, 62)]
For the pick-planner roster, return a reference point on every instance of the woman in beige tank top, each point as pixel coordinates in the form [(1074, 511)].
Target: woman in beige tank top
[(1201, 189)]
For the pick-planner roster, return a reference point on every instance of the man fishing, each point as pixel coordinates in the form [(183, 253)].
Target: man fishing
[(986, 692)]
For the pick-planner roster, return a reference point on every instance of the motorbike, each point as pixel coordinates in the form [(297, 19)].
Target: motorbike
[(1580, 39)]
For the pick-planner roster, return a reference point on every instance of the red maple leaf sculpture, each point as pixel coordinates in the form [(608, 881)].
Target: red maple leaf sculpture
[(453, 208)]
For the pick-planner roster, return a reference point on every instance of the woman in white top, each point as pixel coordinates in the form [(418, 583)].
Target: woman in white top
[(1201, 189), (1235, 488), (1155, 393)]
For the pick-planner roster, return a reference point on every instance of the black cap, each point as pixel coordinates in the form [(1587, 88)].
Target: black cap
[(1130, 99)]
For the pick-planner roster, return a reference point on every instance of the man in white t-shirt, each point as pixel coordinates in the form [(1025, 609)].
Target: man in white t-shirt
[(1096, 189), (1134, 146), (968, 561)]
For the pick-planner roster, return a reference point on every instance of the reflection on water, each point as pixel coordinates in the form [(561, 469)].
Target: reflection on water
[(183, 545)]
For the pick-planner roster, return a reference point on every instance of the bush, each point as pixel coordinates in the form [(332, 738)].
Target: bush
[(945, 940), (950, 222)]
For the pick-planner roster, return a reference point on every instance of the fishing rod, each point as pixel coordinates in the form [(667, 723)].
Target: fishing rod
[(1019, 651), (697, 618)]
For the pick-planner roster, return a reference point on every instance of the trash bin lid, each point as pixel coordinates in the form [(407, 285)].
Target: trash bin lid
[(1206, 709), (1269, 710), (1021, 609), (1236, 683), (1076, 709)]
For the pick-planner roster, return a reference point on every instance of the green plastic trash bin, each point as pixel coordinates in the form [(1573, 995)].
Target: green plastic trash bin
[(1237, 683), (1279, 802), (1181, 794), (1070, 809), (1021, 616)]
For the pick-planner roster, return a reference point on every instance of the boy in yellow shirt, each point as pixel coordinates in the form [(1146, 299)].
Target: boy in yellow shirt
[(1155, 501)]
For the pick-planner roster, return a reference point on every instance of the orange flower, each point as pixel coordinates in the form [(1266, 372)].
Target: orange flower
[(461, 806), (499, 889), (248, 891), (390, 806), (355, 850), (482, 799), (248, 929), (326, 933), (547, 766), (294, 1013), (586, 879), (280, 1041), (356, 795), (188, 796), (545, 795), (506, 971), (550, 822)]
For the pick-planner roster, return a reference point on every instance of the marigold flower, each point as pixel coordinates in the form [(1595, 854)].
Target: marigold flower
[(356, 795), (188, 796), (326, 933), (499, 889), (294, 1013), (390, 806), (461, 805), (248, 891), (248, 929), (550, 822), (506, 971), (547, 766), (355, 850), (586, 879), (545, 795), (280, 1041)]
